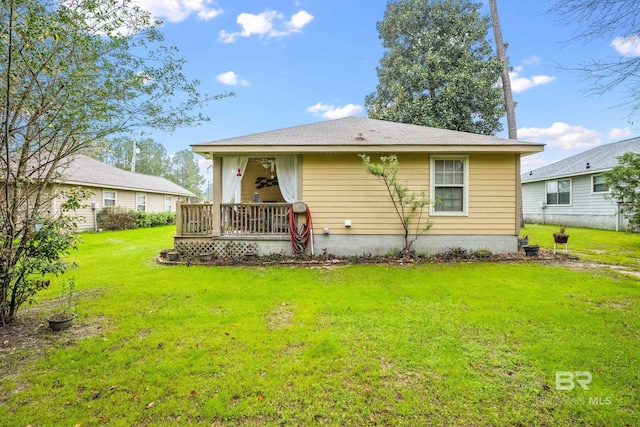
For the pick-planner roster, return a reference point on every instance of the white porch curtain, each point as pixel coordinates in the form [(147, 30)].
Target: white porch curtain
[(287, 167), (231, 182)]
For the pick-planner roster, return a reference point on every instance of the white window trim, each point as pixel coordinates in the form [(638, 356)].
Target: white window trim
[(115, 197), (432, 185), (592, 184), (145, 201), (170, 203), (559, 205)]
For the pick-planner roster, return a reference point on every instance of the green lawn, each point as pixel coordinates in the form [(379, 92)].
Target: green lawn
[(431, 344), (604, 246)]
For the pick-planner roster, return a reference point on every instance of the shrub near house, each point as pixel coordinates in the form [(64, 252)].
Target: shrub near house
[(120, 218)]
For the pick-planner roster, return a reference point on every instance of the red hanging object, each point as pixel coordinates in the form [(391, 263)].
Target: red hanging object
[(239, 173)]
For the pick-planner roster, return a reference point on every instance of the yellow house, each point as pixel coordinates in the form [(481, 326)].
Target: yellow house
[(260, 180)]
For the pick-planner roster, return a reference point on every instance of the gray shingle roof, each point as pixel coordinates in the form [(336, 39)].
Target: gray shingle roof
[(87, 171), (600, 159), (360, 131)]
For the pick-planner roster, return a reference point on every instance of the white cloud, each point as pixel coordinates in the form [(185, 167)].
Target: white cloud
[(266, 24), (532, 162), (232, 79), (531, 60), (627, 46), (179, 10), (562, 135), (299, 20), (619, 134), (520, 84), (333, 112)]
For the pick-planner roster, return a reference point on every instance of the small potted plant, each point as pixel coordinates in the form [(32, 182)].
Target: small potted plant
[(63, 315), (531, 250), (561, 237)]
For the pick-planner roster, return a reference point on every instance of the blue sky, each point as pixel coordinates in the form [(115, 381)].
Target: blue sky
[(297, 62)]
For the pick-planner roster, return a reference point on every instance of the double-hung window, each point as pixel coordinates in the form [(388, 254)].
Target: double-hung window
[(598, 184), (141, 201), (449, 185), (167, 203), (109, 198), (559, 192)]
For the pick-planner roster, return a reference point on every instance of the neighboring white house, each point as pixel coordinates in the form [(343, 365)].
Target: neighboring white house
[(116, 187), (571, 192)]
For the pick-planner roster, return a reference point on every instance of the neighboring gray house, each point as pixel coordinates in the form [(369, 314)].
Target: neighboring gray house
[(571, 192), (116, 187)]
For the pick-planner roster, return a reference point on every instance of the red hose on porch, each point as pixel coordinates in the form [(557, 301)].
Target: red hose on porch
[(300, 237)]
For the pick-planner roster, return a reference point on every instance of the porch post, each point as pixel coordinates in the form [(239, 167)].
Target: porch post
[(217, 194), (519, 207), (179, 218)]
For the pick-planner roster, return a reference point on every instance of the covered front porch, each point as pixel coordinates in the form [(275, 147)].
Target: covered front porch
[(251, 211)]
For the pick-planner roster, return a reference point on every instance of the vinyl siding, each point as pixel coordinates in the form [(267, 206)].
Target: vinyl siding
[(337, 188), (587, 209), (587, 203), (124, 198)]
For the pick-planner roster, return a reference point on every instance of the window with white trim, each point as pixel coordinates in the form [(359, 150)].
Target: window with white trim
[(449, 185), (141, 201), (599, 184), (167, 203), (559, 192), (108, 198)]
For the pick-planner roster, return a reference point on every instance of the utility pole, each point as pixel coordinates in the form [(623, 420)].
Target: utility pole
[(133, 157)]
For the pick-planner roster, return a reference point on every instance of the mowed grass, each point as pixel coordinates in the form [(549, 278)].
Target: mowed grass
[(604, 246), (432, 344)]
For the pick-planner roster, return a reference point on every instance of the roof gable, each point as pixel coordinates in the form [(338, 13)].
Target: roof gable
[(598, 159)]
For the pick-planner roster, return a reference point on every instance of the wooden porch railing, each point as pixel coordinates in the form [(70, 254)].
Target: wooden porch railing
[(194, 219), (254, 218), (197, 219)]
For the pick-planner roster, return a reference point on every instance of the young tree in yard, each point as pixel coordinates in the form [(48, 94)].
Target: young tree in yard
[(624, 184), (438, 68), (186, 173), (72, 73), (409, 205)]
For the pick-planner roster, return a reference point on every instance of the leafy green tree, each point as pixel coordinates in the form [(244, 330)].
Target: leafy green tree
[(186, 172), (624, 182), (72, 73), (151, 157), (409, 205), (438, 68)]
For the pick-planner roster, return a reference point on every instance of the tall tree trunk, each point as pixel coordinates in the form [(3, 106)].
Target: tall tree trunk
[(506, 88), (506, 83)]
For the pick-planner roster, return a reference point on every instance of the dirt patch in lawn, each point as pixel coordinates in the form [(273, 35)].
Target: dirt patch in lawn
[(280, 317), (28, 336)]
